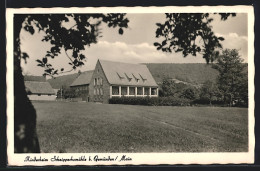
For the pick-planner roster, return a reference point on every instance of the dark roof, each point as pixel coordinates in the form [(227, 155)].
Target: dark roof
[(34, 78), (62, 81), (83, 79), (119, 73), (35, 87)]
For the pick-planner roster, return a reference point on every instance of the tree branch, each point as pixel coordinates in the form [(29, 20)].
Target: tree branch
[(68, 55), (66, 71), (72, 26)]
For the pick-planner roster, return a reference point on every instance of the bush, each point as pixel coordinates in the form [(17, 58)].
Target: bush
[(151, 101)]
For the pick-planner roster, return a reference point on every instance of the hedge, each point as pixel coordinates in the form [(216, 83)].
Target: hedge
[(166, 101), (151, 101)]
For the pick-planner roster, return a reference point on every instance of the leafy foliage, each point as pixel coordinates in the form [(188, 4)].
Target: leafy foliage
[(232, 79), (189, 93), (68, 93), (170, 88), (84, 32), (151, 101), (209, 92), (181, 31)]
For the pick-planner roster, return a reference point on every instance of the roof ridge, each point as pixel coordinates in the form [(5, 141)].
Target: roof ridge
[(37, 81), (121, 62), (87, 71), (39, 87), (83, 78)]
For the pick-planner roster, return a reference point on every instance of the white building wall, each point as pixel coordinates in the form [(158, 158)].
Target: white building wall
[(42, 97)]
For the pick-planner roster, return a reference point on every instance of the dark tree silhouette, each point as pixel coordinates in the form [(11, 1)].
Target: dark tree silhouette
[(189, 33), (209, 91), (189, 93), (168, 87), (74, 39)]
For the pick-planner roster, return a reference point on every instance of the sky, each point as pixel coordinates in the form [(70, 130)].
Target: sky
[(135, 45)]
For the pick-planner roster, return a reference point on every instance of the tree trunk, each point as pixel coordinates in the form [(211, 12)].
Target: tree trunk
[(25, 137), (231, 100)]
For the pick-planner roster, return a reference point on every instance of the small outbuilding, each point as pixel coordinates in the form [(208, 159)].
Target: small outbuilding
[(38, 89)]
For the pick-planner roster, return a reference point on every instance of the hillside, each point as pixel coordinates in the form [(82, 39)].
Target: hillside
[(191, 73), (64, 81), (34, 78)]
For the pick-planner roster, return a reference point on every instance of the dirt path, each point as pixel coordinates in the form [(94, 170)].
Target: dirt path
[(183, 129)]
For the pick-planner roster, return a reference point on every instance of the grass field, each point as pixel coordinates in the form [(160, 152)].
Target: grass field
[(74, 127)]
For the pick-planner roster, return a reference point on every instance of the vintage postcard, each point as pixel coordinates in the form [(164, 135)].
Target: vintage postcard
[(130, 85)]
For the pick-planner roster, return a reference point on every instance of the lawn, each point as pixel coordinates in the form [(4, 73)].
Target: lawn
[(78, 127)]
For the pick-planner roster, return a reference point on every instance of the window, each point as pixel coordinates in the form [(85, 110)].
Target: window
[(137, 80), (101, 91), (131, 90), (95, 91), (101, 81), (146, 91), (97, 81), (124, 91), (94, 81), (115, 90), (139, 90), (154, 91)]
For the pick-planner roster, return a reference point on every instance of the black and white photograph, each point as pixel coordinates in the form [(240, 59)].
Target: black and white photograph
[(130, 85)]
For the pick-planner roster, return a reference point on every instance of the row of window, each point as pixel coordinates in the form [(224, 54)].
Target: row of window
[(80, 88), (40, 94), (115, 91), (98, 91), (98, 81)]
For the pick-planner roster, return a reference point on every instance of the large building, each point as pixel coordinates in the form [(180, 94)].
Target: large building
[(116, 79), (38, 89)]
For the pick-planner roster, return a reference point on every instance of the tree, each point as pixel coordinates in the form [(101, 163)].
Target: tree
[(232, 79), (209, 91), (73, 40), (168, 87), (189, 93), (183, 32), (179, 90)]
